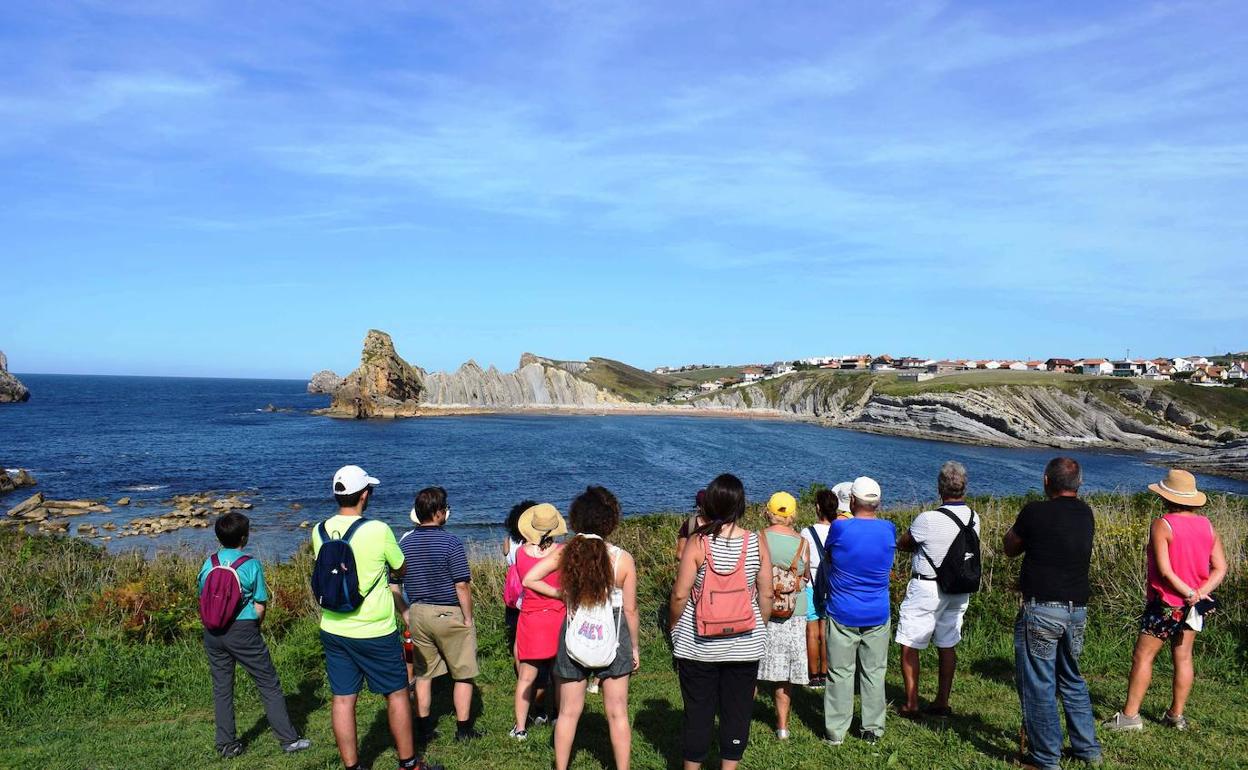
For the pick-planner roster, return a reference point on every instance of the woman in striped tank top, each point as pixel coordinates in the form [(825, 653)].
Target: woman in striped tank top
[(1186, 562), (718, 673)]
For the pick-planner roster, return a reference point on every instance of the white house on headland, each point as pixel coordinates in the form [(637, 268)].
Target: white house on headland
[(1238, 371), (1128, 368), (1156, 371), (1018, 366), (1096, 366)]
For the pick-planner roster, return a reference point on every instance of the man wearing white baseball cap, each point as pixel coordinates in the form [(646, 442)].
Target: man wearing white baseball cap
[(860, 557), (364, 643)]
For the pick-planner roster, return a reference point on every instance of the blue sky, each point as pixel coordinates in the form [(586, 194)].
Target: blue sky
[(244, 189)]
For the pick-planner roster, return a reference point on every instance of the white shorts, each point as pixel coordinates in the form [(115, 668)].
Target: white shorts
[(928, 614)]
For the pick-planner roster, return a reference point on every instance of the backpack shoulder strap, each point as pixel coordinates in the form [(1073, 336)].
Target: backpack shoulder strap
[(216, 561), (797, 555), (956, 520), (325, 538), (355, 525), (745, 549), (240, 561)]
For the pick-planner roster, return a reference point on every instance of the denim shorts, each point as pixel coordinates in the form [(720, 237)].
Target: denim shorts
[(348, 661)]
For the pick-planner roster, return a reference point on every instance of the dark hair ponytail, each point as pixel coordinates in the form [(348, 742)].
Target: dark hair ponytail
[(585, 573), (723, 504), (825, 505)]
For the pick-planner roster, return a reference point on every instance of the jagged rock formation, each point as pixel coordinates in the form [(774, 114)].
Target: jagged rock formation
[(11, 389), (324, 381), (1135, 417), (385, 385), (15, 480)]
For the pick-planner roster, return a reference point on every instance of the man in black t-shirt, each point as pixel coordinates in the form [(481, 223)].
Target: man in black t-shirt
[(1054, 537)]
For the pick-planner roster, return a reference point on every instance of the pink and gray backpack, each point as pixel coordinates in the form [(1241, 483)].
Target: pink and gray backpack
[(222, 598)]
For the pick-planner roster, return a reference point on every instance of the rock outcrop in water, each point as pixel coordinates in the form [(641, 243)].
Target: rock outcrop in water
[(17, 479), (11, 389), (385, 385), (324, 381)]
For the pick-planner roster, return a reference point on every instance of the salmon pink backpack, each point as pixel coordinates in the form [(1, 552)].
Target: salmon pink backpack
[(724, 605)]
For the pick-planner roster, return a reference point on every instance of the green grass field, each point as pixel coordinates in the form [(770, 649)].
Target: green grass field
[(100, 667)]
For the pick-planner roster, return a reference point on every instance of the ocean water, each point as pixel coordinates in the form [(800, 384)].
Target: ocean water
[(149, 438)]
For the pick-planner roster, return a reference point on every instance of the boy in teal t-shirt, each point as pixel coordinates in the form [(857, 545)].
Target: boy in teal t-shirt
[(241, 644)]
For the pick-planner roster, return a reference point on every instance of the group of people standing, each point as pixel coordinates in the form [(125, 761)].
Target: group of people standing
[(783, 607)]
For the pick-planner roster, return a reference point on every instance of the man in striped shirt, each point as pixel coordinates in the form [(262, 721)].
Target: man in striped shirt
[(437, 589)]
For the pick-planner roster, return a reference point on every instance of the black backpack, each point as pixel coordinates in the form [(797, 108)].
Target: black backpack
[(820, 588), (335, 581), (960, 570)]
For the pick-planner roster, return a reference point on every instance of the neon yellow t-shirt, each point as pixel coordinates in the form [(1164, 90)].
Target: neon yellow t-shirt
[(375, 550)]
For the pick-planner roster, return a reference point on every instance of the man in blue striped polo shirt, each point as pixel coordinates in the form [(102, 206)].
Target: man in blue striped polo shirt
[(437, 588)]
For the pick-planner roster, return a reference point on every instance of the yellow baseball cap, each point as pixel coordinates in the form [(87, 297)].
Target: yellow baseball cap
[(782, 504)]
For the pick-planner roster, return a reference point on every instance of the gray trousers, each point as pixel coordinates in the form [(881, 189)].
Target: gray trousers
[(242, 643), (862, 651)]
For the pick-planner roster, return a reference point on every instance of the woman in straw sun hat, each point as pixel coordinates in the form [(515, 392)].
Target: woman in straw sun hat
[(541, 617), (1186, 563)]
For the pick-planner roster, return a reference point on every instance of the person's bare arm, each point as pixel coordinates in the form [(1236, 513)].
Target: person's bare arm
[(463, 591), (906, 542), (1012, 544), (763, 581), (260, 607), (628, 568), (681, 542), (400, 606), (534, 579), (686, 573), (1217, 568)]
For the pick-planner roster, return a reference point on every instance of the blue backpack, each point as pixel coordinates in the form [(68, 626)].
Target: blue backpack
[(335, 580)]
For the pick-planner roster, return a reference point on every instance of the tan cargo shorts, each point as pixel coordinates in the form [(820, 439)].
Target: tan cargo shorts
[(444, 642)]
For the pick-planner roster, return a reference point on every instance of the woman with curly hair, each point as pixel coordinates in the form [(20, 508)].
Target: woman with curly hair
[(593, 572)]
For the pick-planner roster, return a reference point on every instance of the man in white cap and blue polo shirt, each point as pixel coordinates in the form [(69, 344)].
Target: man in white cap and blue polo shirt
[(860, 556), (365, 643)]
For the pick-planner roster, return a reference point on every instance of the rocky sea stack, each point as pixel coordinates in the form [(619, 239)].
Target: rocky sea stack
[(11, 389), (324, 381), (385, 385)]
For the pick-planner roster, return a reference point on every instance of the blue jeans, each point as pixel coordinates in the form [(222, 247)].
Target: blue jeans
[(1048, 638)]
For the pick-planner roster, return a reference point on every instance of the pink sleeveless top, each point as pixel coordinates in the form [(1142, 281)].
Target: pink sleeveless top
[(533, 601), (1190, 548)]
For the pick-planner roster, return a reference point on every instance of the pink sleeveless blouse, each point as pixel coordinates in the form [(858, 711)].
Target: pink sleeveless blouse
[(1190, 548)]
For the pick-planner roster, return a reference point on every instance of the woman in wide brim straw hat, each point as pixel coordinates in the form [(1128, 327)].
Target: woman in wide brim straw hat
[(1186, 562), (541, 617)]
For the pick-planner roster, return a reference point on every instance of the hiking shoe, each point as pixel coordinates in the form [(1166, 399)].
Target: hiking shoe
[(518, 734), (230, 750), (470, 734), (421, 764), (816, 683), (870, 738), (1178, 723), (1121, 723), (782, 735), (299, 744)]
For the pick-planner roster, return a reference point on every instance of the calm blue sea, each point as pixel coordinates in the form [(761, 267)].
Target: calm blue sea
[(149, 438)]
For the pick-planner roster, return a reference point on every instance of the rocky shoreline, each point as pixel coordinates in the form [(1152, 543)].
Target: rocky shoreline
[(184, 511)]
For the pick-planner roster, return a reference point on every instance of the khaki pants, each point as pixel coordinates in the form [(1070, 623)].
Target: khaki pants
[(865, 650), (444, 642)]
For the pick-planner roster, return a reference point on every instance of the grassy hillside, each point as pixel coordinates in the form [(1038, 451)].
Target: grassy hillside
[(100, 666), (628, 381)]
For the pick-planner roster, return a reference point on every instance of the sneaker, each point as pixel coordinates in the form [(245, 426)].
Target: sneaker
[(816, 683), (870, 738), (939, 712), (782, 735), (1178, 723), (470, 734), (518, 734), (230, 750), (299, 744), (833, 742), (1121, 723), (540, 720), (593, 687)]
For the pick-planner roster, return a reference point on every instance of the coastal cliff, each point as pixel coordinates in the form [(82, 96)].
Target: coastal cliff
[(1207, 427), (11, 389), (1088, 413), (385, 385)]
